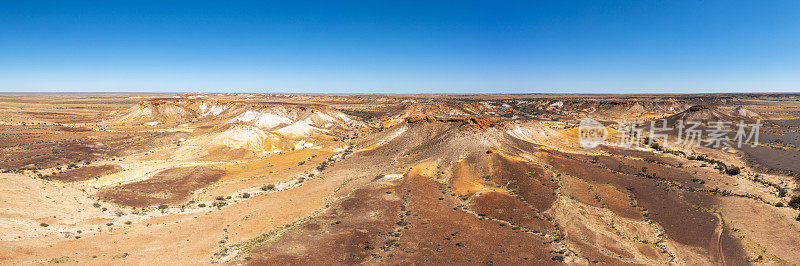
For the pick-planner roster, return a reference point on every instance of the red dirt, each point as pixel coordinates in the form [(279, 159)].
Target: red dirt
[(412, 226), (166, 187), (85, 173), (482, 122), (526, 179), (508, 208), (678, 214)]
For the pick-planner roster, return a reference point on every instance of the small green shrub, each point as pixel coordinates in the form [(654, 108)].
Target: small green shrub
[(795, 202), (733, 170), (60, 260)]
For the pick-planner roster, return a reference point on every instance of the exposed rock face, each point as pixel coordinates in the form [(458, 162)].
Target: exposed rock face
[(698, 108), (259, 114), (244, 136), (506, 180), (299, 129), (701, 113), (155, 111), (483, 122), (262, 119), (706, 113), (611, 107), (245, 128), (741, 111)]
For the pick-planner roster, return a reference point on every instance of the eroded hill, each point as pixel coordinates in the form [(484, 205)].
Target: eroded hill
[(277, 179)]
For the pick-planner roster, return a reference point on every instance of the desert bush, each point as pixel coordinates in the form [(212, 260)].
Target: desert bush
[(59, 260), (163, 206), (96, 205), (245, 195), (44, 225), (201, 205), (795, 202), (655, 146), (733, 170), (779, 204)]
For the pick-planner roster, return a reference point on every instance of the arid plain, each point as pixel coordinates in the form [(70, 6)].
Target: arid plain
[(393, 179)]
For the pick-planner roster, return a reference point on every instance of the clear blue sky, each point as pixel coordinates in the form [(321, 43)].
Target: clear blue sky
[(400, 46)]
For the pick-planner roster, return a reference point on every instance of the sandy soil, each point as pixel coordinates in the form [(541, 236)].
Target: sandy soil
[(373, 179)]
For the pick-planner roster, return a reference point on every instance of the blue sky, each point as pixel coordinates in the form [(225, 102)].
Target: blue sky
[(400, 46)]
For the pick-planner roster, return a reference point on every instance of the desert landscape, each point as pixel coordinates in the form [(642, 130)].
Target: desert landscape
[(247, 178)]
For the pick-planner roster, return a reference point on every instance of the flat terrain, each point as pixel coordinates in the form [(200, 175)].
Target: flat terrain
[(400, 179)]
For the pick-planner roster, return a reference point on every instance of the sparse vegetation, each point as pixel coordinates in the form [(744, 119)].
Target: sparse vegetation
[(732, 170), (719, 165), (795, 202), (409, 181), (60, 260)]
